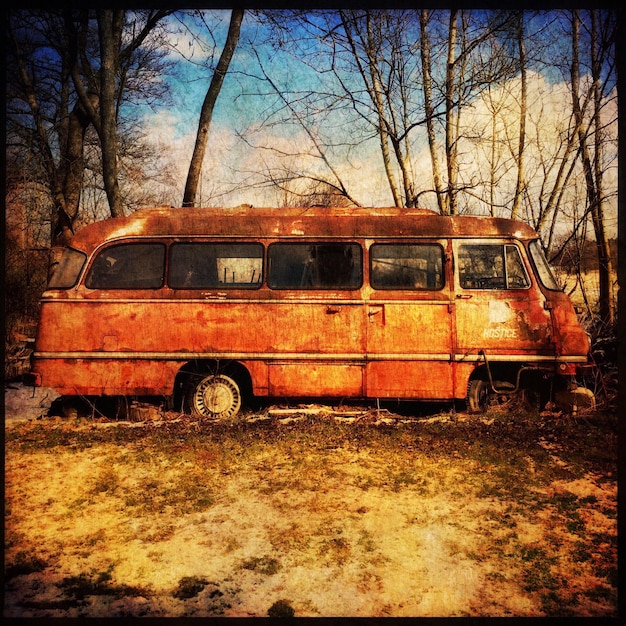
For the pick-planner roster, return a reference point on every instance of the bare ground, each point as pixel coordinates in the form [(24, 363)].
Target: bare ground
[(371, 515)]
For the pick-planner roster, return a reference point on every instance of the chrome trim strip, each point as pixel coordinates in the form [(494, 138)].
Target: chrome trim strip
[(240, 356), (518, 358), (310, 356), (219, 299)]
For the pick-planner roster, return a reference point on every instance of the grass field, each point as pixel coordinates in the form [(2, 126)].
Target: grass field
[(504, 514)]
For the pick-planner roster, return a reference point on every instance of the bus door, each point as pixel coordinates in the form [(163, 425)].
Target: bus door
[(409, 331), (317, 319), (500, 312)]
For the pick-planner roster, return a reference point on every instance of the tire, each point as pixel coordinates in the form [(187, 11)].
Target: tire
[(477, 396), (480, 397), (215, 397)]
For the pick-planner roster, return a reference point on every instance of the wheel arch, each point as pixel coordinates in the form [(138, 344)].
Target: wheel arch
[(500, 370), (534, 382), (502, 375)]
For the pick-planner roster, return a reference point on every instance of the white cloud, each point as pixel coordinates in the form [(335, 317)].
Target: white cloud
[(233, 169)]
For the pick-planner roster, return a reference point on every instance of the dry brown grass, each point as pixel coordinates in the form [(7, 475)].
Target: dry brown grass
[(501, 515)]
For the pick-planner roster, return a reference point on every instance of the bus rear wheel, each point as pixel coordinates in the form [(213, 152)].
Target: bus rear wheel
[(214, 396)]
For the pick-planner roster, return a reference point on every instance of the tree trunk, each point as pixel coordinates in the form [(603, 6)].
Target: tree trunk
[(451, 139), (374, 90), (519, 185), (60, 179), (605, 265), (429, 111), (206, 114), (382, 127), (110, 25), (593, 176)]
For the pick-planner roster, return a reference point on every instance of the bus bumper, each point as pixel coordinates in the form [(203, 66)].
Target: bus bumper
[(573, 400)]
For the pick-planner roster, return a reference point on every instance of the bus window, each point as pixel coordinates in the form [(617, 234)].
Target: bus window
[(516, 277), (543, 268), (491, 266), (128, 266), (211, 265), (315, 266), (406, 266), (67, 270)]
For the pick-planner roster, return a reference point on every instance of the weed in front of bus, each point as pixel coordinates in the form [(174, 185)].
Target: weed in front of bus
[(265, 565), (106, 481), (190, 586)]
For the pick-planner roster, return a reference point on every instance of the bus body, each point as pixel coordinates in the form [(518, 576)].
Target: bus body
[(205, 306)]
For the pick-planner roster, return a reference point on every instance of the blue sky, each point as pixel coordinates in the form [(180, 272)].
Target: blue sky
[(245, 102)]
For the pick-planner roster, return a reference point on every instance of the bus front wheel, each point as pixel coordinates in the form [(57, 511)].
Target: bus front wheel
[(215, 397), (480, 396)]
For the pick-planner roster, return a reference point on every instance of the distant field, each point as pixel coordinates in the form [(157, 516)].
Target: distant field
[(590, 284)]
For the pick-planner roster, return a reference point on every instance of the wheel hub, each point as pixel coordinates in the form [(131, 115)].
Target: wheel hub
[(217, 396)]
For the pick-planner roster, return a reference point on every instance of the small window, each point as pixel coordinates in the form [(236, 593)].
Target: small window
[(66, 271), (215, 265), (128, 266), (543, 267), (406, 266), (315, 266), (491, 266), (516, 277)]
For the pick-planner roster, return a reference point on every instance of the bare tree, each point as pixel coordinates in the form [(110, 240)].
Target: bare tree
[(110, 25), (365, 39), (369, 82), (519, 183), (59, 66), (429, 110), (287, 176), (375, 72), (29, 35), (206, 113), (452, 115), (593, 163), (100, 90), (474, 64)]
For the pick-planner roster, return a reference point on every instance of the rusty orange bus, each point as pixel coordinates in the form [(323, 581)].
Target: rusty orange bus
[(208, 307)]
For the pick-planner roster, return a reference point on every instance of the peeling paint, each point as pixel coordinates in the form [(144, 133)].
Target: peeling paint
[(499, 311)]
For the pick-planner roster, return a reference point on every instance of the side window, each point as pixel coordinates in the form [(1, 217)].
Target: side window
[(543, 267), (315, 266), (68, 268), (128, 266), (215, 265), (406, 266), (491, 266), (516, 277)]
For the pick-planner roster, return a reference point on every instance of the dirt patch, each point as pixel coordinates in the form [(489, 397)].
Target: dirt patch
[(311, 516)]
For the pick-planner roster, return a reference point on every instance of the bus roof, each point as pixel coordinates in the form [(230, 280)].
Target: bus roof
[(247, 221)]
